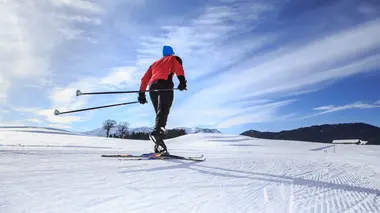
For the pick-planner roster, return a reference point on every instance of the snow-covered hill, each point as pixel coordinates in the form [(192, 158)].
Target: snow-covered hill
[(42, 172), (37, 129)]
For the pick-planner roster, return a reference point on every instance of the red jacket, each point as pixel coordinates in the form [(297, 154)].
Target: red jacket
[(161, 69)]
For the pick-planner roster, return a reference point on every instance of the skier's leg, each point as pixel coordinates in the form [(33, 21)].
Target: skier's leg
[(165, 100), (154, 97)]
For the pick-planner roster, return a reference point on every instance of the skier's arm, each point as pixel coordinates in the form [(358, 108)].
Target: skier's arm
[(177, 66), (145, 79), (178, 70)]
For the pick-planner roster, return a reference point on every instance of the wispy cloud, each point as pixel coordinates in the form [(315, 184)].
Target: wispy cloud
[(367, 9), (356, 105), (120, 76), (50, 117), (295, 69), (35, 30), (209, 52), (47, 47), (210, 49), (44, 116), (4, 86), (257, 114), (4, 111), (34, 120), (65, 98), (81, 19), (359, 105), (310, 64), (85, 6)]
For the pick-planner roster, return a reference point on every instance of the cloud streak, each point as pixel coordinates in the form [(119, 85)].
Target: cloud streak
[(356, 105), (50, 117), (209, 51), (85, 6), (274, 74), (35, 31), (257, 114), (65, 98), (309, 64), (44, 116)]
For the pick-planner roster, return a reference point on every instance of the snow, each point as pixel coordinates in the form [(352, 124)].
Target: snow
[(42, 172)]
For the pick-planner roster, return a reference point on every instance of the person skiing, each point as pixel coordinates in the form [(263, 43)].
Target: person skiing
[(159, 76)]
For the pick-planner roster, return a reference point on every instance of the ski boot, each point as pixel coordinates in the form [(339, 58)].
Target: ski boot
[(157, 136)]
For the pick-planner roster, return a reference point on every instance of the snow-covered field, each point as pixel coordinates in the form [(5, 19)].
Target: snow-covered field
[(44, 172)]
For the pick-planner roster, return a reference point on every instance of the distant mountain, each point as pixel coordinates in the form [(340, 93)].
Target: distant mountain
[(143, 129), (324, 133), (146, 130), (102, 132), (195, 130)]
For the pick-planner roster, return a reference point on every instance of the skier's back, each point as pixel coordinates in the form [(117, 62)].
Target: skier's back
[(160, 76)]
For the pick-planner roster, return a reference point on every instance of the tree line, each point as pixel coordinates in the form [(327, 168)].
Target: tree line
[(123, 131)]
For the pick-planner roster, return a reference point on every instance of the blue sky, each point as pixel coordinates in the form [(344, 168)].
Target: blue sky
[(264, 65)]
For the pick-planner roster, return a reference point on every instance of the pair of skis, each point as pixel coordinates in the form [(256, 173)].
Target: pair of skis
[(155, 156)]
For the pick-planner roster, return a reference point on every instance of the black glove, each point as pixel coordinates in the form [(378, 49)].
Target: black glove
[(182, 83), (142, 98)]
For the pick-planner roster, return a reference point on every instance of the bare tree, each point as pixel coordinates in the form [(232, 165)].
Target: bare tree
[(108, 125), (123, 129)]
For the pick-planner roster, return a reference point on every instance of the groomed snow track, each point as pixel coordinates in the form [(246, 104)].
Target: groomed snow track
[(65, 173)]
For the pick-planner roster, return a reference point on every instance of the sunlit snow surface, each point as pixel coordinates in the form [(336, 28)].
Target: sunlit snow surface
[(42, 171)]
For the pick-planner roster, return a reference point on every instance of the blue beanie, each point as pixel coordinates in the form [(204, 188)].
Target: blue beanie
[(167, 50)]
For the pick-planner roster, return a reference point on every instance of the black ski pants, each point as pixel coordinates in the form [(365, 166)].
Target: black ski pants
[(162, 102)]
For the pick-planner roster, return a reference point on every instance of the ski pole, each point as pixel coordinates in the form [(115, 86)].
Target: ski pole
[(56, 112), (121, 92)]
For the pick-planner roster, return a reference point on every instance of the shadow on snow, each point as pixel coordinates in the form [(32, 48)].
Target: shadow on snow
[(282, 179), (322, 148), (231, 140)]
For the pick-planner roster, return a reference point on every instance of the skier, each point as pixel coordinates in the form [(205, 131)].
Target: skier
[(160, 76)]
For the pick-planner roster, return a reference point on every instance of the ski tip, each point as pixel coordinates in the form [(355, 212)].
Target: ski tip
[(56, 112), (79, 92)]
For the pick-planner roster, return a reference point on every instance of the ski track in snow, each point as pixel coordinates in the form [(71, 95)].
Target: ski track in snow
[(64, 173)]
